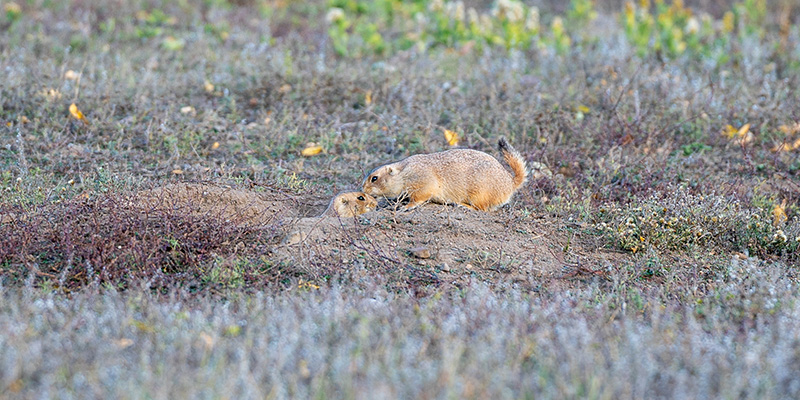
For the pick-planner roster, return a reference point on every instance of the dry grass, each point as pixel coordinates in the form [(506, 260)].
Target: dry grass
[(346, 342), (576, 289)]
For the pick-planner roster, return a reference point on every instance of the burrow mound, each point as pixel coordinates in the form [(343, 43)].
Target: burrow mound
[(179, 232), (433, 244)]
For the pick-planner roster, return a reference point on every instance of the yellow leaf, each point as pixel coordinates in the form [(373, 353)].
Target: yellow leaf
[(368, 97), (215, 146), (791, 130), (71, 75), (787, 146), (783, 147), (311, 150), (124, 343), (208, 86), (233, 330), (729, 131), (743, 134), (583, 109), (743, 130), (177, 171), (77, 114), (306, 285), (727, 22), (451, 137), (779, 213)]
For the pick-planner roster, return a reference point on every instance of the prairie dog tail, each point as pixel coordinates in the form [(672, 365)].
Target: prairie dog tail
[(515, 161)]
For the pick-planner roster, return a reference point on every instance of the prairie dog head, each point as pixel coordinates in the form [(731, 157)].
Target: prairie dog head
[(384, 181), (353, 203)]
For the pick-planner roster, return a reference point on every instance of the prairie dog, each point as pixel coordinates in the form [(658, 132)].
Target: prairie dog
[(347, 205), (465, 177), (344, 205)]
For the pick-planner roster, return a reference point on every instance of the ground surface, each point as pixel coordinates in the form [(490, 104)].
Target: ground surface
[(162, 165)]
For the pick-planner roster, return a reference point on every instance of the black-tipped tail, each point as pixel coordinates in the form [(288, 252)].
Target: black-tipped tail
[(515, 161)]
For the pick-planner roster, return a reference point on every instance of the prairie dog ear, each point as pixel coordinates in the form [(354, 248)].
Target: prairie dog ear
[(343, 201), (391, 170)]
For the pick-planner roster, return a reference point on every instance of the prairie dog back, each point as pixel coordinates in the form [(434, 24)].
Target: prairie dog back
[(465, 177)]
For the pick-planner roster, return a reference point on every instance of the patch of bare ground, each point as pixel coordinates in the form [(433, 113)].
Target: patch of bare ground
[(445, 246)]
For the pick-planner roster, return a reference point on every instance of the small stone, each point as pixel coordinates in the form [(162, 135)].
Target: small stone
[(420, 252), (519, 278), (539, 170), (296, 237), (468, 266), (445, 267)]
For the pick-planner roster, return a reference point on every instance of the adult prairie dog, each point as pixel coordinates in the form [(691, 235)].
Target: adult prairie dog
[(465, 177), (348, 205)]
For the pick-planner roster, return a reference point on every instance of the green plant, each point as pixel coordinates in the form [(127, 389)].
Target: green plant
[(152, 23), (13, 12), (664, 32), (680, 221), (673, 30), (357, 28), (751, 17), (338, 30)]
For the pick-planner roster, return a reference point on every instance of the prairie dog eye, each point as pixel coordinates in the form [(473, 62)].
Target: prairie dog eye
[(374, 178), (361, 198)]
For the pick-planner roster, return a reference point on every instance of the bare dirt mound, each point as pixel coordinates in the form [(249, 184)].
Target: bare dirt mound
[(434, 244)]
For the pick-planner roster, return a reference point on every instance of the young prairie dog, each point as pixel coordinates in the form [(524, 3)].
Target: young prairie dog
[(348, 205), (465, 177)]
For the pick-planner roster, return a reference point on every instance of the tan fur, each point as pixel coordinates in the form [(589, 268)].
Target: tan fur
[(465, 177), (348, 205)]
